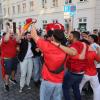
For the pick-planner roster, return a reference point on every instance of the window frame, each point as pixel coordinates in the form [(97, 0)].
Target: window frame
[(31, 5), (55, 3), (18, 8), (24, 7)]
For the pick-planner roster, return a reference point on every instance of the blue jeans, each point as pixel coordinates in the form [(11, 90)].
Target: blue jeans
[(98, 70), (71, 81), (50, 91), (37, 68), (10, 65)]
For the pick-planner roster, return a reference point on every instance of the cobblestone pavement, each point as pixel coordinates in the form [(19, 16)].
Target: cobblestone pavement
[(14, 94)]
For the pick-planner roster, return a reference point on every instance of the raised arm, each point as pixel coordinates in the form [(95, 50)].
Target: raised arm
[(71, 51), (34, 34), (98, 54), (7, 37)]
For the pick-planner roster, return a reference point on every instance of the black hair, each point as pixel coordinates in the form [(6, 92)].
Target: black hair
[(27, 33), (99, 34), (76, 34), (85, 41), (4, 33), (50, 33), (95, 30), (59, 36), (8, 24), (86, 32), (94, 37)]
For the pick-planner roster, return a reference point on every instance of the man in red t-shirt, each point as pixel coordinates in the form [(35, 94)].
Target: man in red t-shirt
[(91, 72), (54, 58), (76, 66), (8, 55)]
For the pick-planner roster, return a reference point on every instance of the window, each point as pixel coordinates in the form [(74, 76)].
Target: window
[(82, 24), (44, 2), (18, 6), (83, 19), (4, 11), (55, 21), (0, 8), (55, 3), (24, 7), (83, 0), (13, 9), (8, 11), (68, 1), (44, 23), (80, 19), (31, 5)]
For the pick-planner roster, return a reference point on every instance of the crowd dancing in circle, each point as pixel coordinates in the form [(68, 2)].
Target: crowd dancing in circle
[(56, 63)]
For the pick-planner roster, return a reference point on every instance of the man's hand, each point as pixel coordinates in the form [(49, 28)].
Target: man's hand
[(34, 34), (70, 51), (37, 49), (55, 43)]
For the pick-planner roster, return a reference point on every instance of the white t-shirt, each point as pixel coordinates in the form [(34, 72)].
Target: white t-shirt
[(29, 53), (94, 46), (98, 65)]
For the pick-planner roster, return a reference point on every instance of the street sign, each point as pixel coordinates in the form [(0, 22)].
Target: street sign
[(66, 8), (71, 9)]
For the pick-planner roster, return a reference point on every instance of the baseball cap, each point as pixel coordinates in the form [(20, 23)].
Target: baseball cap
[(29, 20), (54, 26)]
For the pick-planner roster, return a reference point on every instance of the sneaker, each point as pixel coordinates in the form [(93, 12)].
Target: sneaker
[(13, 81), (6, 87), (20, 91), (37, 84), (28, 87)]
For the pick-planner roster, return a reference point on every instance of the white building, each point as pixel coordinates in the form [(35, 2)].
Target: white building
[(97, 13), (46, 11), (85, 15), (1, 17)]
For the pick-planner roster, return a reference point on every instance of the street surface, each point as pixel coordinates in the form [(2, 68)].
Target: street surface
[(14, 94)]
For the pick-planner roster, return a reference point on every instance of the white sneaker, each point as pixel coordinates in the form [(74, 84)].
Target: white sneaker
[(28, 87), (20, 91)]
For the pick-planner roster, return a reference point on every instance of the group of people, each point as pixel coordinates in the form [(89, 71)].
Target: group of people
[(67, 63), (20, 50)]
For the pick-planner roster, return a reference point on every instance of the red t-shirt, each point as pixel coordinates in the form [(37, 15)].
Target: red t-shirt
[(77, 65), (8, 49), (53, 57), (90, 67)]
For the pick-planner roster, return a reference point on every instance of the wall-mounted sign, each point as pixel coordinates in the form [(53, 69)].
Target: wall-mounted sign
[(71, 9)]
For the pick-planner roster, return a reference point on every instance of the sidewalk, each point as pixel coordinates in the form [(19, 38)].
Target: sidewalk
[(14, 94)]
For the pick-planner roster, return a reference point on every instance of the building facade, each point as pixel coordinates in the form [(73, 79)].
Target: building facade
[(85, 15), (1, 17), (97, 13), (46, 11)]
